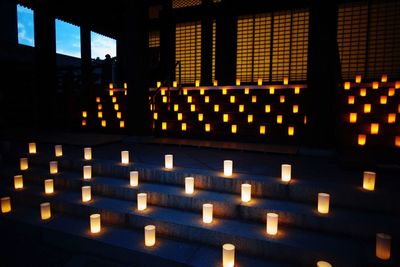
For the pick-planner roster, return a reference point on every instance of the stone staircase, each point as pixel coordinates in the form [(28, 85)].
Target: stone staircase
[(344, 237)]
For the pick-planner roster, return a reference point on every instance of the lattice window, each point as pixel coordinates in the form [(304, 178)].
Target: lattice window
[(368, 38), (272, 45), (188, 51), (185, 3), (154, 39)]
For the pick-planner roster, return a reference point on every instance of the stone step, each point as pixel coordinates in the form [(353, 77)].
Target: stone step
[(346, 196), (338, 221), (122, 246), (302, 248)]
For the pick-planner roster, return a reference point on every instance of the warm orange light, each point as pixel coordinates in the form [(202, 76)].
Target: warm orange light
[(110, 86), (18, 182), (369, 180), (164, 99), (297, 90), (234, 128), (323, 203), (237, 82), (149, 235), (162, 91), (362, 139), (174, 84), (391, 118), (383, 246), (100, 114), (125, 92), (207, 213), (23, 164), (286, 172), (350, 100), (215, 83), (179, 116), (97, 99), (397, 141), (224, 91), (262, 129), (228, 255), (353, 117), (87, 153), (250, 118), (358, 78), (32, 148), (45, 211), (346, 85), (391, 92), (295, 108), (185, 91), (155, 115), (83, 122), (305, 120), (200, 116), (279, 119), (141, 201), (164, 125), (207, 127), (158, 84), (285, 80), (103, 123), (197, 83), (95, 223), (272, 223), (375, 85), (216, 108), (119, 115), (374, 128), (5, 204), (111, 93), (246, 192), (246, 91), (282, 99), (134, 178), (384, 78), (116, 107), (202, 91), (183, 126), (259, 82), (58, 150), (267, 108), (125, 86), (383, 100), (114, 99), (225, 118), (232, 99), (397, 85), (398, 108), (192, 107), (363, 92), (241, 108), (254, 99), (290, 130), (99, 106), (271, 90), (84, 114), (121, 124), (48, 186), (189, 99), (206, 99), (53, 167), (367, 108)]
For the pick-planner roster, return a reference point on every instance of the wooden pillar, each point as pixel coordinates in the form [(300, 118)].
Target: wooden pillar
[(86, 60)]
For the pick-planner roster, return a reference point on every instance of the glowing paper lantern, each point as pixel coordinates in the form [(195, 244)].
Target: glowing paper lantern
[(193, 108), (358, 78), (391, 92), (241, 108), (250, 118), (179, 116), (259, 82), (5, 204), (99, 114), (295, 108), (185, 91), (285, 80), (391, 118), (375, 85), (262, 129), (363, 92), (149, 235), (189, 185), (397, 141), (97, 99), (174, 84), (353, 117), (162, 91), (267, 108), (207, 213), (233, 128), (362, 139), (134, 178), (200, 116), (216, 108), (45, 211), (323, 264), (111, 93), (246, 192), (369, 181), (53, 167), (125, 157), (282, 99), (95, 223), (155, 115), (279, 119), (271, 90), (141, 201), (164, 99), (176, 107), (323, 203), (384, 78), (122, 124), (290, 130), (201, 91), (383, 246), (48, 186), (237, 82), (286, 172), (18, 182), (350, 100), (207, 127), (23, 164), (189, 99), (83, 122), (99, 106), (169, 161), (197, 83), (32, 148), (374, 128), (383, 100), (297, 90), (215, 83), (183, 126), (58, 150), (87, 172), (228, 255), (246, 91), (225, 118), (110, 86), (86, 193), (367, 108), (346, 85), (272, 223), (87, 154), (116, 107), (224, 91), (206, 99), (228, 167), (103, 123), (232, 99), (114, 99), (158, 84), (397, 85), (254, 99)]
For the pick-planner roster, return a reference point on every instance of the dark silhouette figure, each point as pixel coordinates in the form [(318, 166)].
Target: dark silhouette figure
[(106, 71)]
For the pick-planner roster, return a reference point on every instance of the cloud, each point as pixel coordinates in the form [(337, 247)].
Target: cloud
[(22, 37), (102, 45)]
